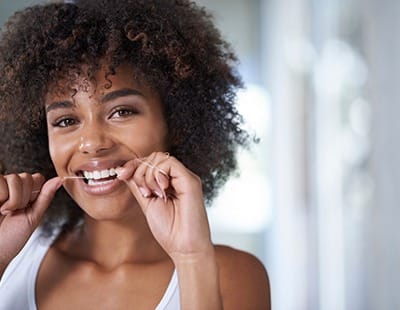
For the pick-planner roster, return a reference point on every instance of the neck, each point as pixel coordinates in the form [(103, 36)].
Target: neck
[(110, 243)]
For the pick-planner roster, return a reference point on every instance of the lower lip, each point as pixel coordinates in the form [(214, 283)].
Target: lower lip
[(102, 188)]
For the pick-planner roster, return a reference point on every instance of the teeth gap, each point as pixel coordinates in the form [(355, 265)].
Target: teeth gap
[(80, 174)]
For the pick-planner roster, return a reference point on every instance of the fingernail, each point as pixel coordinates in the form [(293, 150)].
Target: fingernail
[(162, 180), (121, 173), (60, 183), (118, 171), (158, 193), (144, 191)]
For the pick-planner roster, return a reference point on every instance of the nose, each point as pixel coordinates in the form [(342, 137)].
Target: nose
[(94, 139)]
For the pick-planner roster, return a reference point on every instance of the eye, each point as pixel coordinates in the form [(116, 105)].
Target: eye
[(65, 122), (121, 112)]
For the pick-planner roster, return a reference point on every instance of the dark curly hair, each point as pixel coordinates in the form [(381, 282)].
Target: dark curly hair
[(172, 43)]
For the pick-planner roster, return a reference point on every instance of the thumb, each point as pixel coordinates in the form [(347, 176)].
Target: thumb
[(44, 199)]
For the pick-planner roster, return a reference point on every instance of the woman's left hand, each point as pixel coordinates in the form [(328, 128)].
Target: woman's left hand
[(171, 198)]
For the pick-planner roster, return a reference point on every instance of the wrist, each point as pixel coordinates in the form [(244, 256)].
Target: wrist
[(188, 259), (198, 275)]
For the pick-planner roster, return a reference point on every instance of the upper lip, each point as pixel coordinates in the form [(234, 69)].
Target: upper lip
[(99, 165)]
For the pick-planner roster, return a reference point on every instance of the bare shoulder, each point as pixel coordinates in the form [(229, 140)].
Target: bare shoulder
[(244, 280)]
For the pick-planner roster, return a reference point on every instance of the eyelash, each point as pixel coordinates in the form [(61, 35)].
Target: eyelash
[(69, 121), (124, 111), (64, 122)]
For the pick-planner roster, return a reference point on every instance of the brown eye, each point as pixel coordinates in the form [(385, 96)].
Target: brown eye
[(65, 122), (123, 112)]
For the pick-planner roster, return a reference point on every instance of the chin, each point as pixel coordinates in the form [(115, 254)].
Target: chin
[(103, 209)]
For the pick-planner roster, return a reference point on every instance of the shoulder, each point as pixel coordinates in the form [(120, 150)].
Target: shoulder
[(244, 279)]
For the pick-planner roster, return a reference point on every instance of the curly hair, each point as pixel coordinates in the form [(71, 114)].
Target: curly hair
[(172, 43)]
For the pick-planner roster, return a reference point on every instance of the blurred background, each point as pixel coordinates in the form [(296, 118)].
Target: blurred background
[(316, 200)]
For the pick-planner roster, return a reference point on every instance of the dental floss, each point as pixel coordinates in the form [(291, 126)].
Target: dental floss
[(141, 160), (67, 177), (154, 167)]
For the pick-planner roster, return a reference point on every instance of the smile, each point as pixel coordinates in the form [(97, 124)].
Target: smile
[(97, 177)]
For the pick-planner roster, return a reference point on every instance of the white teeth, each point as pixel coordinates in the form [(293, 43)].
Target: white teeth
[(88, 175), (93, 182), (105, 174), (96, 175)]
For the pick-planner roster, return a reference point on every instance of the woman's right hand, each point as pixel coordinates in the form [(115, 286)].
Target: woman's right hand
[(23, 200)]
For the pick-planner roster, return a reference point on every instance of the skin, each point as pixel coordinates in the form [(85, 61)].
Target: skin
[(136, 231)]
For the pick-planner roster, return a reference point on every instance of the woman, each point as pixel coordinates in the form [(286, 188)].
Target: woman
[(95, 212)]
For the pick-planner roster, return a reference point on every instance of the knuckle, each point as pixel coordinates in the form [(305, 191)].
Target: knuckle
[(197, 179), (39, 177), (12, 177), (38, 180), (11, 205), (24, 175), (138, 178)]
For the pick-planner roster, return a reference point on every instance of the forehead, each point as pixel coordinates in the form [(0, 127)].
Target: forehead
[(98, 83)]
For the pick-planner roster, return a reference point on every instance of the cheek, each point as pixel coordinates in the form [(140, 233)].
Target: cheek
[(51, 142), (58, 150), (52, 148), (155, 137)]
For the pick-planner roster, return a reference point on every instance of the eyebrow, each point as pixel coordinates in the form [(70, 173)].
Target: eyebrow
[(59, 105), (124, 92)]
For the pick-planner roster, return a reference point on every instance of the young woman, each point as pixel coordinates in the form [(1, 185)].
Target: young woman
[(119, 126)]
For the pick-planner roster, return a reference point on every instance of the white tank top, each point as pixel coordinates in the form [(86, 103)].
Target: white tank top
[(17, 286)]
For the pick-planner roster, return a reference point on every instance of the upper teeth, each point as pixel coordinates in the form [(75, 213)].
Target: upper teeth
[(97, 174)]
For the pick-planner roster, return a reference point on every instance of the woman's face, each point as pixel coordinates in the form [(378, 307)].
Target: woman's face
[(98, 129)]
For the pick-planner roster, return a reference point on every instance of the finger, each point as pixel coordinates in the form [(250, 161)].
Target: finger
[(3, 190), (14, 184), (38, 181), (150, 176), (144, 165), (162, 179), (152, 184), (141, 196), (20, 188), (160, 172), (126, 174), (157, 159), (26, 189), (127, 170), (44, 199), (174, 176), (164, 158)]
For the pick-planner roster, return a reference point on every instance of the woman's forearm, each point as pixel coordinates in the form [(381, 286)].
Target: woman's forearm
[(199, 281)]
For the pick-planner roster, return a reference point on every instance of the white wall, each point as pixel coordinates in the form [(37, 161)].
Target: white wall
[(382, 237)]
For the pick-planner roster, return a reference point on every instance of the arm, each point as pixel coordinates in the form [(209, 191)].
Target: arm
[(23, 200), (209, 277), (199, 281), (171, 199)]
